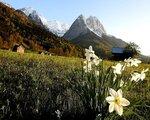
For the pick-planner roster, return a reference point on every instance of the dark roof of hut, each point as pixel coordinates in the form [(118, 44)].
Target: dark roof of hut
[(117, 50)]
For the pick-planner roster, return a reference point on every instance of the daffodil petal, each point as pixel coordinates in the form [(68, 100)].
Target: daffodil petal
[(112, 92), (136, 65), (119, 92), (142, 76), (90, 48), (124, 102), (146, 70), (119, 109), (110, 99), (111, 107)]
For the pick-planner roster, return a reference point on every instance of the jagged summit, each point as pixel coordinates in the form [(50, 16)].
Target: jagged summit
[(83, 25), (34, 15), (27, 10), (2, 1), (77, 28), (81, 17), (95, 25), (56, 27)]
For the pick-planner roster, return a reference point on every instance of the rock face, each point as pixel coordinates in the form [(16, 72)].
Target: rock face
[(95, 26), (56, 27), (82, 26)]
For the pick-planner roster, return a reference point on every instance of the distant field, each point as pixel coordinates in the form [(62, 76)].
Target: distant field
[(40, 58), (70, 62)]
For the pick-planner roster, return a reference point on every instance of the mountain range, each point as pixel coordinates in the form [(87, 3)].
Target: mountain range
[(83, 32)]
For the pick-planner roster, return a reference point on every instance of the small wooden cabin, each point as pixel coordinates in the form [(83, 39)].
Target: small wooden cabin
[(18, 48), (121, 53)]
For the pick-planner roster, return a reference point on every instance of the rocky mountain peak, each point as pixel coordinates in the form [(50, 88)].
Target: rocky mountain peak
[(34, 15), (81, 17), (2, 1), (95, 25), (83, 25), (78, 27), (27, 10)]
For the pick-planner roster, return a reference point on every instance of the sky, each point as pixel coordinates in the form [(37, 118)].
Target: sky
[(125, 19)]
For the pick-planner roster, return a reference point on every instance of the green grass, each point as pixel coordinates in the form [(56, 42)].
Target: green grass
[(44, 77), (69, 61), (60, 60)]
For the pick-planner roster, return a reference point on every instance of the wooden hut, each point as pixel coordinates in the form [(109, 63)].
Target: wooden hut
[(121, 53), (18, 48)]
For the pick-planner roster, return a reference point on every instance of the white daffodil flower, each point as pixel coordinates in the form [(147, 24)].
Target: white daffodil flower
[(96, 60), (58, 113), (138, 76), (90, 50), (121, 83), (89, 53), (118, 68), (135, 62), (91, 57), (128, 61), (132, 62), (135, 77), (88, 66), (143, 71), (115, 77), (97, 73), (116, 101)]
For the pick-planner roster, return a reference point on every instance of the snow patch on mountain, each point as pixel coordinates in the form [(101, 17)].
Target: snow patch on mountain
[(27, 10), (2, 1), (56, 27)]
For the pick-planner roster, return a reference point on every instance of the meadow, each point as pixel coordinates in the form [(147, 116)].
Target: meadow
[(35, 86)]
